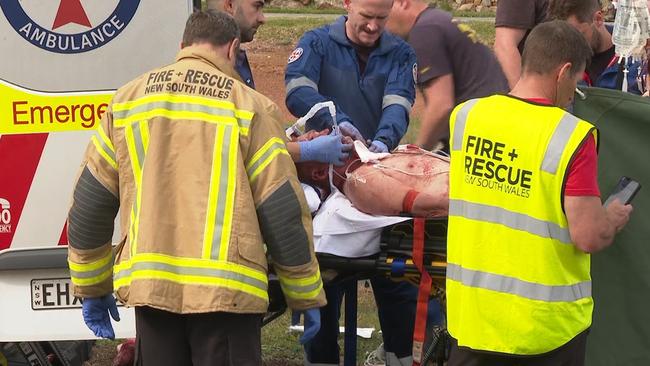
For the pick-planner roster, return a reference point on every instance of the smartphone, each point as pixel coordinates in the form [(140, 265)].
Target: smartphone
[(624, 191)]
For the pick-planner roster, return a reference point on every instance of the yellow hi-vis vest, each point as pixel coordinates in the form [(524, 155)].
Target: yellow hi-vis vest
[(516, 284)]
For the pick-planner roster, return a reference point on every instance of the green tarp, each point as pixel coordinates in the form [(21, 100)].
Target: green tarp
[(620, 334)]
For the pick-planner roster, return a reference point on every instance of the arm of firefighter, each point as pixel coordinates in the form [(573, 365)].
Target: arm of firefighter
[(399, 96), (283, 214), (301, 82), (91, 218)]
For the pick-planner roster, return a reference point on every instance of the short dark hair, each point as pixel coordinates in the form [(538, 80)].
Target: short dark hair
[(583, 10), (552, 44), (211, 26)]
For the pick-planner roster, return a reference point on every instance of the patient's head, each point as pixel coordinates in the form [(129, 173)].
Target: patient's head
[(316, 173)]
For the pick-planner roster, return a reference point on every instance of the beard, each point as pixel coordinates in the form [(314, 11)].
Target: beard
[(596, 40), (247, 34)]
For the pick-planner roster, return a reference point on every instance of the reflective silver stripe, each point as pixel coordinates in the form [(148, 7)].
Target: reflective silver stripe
[(393, 360), (139, 145), (300, 81), (461, 121), (391, 99), (93, 273), (270, 150), (222, 192), (180, 107), (514, 286), (107, 149), (559, 140), (513, 220), (190, 271), (302, 289)]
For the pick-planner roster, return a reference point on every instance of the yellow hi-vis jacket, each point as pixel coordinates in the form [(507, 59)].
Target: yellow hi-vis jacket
[(516, 283), (199, 164)]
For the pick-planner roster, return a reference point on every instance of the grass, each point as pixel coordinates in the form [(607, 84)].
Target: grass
[(484, 30), (287, 31), (315, 10), (303, 10), (279, 347)]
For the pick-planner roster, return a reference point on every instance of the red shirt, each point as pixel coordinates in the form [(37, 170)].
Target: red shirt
[(582, 179)]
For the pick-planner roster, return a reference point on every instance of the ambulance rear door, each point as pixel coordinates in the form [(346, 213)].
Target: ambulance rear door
[(60, 63)]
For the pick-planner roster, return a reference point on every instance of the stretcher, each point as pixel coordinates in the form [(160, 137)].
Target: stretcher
[(396, 260)]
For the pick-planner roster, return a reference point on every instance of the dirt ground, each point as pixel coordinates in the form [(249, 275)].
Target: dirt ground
[(268, 64)]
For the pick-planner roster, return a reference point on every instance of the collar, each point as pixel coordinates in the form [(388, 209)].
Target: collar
[(210, 58), (387, 42)]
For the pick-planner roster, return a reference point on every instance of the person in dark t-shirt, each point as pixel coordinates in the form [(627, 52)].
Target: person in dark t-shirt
[(587, 17), (514, 20), (453, 65)]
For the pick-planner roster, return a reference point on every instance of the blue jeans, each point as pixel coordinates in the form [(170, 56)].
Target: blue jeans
[(396, 304)]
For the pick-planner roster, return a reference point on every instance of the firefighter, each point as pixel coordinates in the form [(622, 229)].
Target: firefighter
[(196, 162), (524, 214)]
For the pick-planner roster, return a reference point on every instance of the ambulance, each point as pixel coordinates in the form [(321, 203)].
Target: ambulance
[(60, 63)]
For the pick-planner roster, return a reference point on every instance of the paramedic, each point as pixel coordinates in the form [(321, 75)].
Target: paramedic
[(200, 176), (524, 214), (368, 74), (249, 17)]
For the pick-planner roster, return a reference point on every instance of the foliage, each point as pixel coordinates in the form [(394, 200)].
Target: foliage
[(287, 31), (279, 347)]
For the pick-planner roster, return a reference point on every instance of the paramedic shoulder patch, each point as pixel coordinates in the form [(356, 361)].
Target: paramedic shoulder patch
[(295, 55), (415, 73)]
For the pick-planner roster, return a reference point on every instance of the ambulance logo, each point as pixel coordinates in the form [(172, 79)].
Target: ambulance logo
[(69, 26), (5, 216)]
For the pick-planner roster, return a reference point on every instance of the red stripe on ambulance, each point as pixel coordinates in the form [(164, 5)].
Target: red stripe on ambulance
[(19, 157), (63, 240)]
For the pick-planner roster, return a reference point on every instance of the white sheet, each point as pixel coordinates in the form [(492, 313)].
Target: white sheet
[(340, 229)]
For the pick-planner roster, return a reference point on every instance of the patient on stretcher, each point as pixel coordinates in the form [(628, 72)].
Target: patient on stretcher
[(408, 180)]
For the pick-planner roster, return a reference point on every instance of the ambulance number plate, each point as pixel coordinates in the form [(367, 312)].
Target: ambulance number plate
[(53, 293)]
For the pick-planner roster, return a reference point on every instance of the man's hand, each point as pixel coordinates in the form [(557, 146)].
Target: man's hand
[(312, 324), (348, 129), (618, 214), (329, 149), (378, 147), (95, 311)]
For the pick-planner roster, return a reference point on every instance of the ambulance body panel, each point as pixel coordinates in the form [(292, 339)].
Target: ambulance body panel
[(61, 63)]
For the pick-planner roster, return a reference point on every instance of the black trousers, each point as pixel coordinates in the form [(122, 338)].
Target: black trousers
[(214, 339), (570, 354)]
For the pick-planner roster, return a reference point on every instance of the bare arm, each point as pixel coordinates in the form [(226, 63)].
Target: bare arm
[(294, 150), (592, 226), (439, 101), (505, 47)]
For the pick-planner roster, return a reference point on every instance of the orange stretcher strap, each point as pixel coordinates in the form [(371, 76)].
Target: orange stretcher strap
[(409, 199), (423, 292)]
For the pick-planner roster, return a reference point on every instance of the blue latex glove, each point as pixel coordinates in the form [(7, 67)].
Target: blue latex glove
[(312, 323), (95, 311), (378, 147), (348, 129), (326, 149)]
